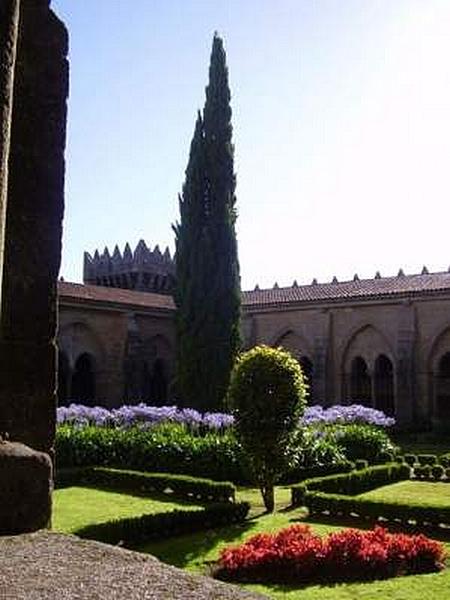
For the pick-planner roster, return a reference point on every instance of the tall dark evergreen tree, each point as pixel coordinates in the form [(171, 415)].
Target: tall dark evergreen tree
[(208, 285)]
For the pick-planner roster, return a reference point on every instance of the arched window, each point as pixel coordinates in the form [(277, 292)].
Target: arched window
[(63, 378), (443, 388), (360, 383), (384, 385), (158, 383), (83, 380)]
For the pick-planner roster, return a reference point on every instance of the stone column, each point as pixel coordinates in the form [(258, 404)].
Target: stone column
[(405, 379), (319, 391), (9, 19), (35, 203)]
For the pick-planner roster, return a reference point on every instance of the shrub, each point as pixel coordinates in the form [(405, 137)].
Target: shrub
[(296, 554), (356, 507), (437, 471), (314, 452), (189, 488), (361, 464), (422, 471), (410, 459), (166, 448), (133, 531), (427, 459), (267, 395), (356, 482), (444, 460), (362, 441)]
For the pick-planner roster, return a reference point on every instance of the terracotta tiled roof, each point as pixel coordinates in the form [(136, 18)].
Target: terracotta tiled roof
[(381, 287), (95, 293)]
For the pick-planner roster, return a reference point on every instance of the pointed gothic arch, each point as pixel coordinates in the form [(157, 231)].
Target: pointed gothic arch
[(298, 346), (384, 385), (365, 343), (83, 380), (360, 382), (442, 389), (439, 378)]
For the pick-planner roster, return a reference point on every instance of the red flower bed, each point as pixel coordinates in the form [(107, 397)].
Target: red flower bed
[(297, 554)]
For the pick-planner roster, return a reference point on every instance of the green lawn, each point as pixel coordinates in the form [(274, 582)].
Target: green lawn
[(197, 552), (413, 492), (76, 507)]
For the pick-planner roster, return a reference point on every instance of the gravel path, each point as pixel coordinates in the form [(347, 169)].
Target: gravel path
[(46, 565)]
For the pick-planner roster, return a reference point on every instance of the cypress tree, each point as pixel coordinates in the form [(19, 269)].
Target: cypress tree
[(207, 294)]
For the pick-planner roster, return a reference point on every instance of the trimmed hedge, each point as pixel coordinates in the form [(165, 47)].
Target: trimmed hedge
[(427, 459), (444, 460), (339, 505), (335, 495), (355, 482), (195, 489), (131, 532)]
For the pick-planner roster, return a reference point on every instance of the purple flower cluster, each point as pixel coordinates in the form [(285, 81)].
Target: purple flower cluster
[(142, 414), (338, 414)]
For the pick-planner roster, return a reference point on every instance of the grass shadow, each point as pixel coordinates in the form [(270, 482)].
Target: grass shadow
[(188, 549)]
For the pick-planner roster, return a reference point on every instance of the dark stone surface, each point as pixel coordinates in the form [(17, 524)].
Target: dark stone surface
[(53, 566), (25, 490), (35, 205), (9, 17)]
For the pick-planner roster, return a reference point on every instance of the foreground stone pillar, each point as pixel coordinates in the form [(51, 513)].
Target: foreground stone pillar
[(9, 19), (33, 229)]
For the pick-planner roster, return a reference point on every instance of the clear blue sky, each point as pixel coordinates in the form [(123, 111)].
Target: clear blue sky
[(341, 115)]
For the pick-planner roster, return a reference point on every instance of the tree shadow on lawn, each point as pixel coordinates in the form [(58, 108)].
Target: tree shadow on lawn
[(192, 549)]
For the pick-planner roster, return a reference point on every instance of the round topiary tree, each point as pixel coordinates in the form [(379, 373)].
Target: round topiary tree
[(267, 396)]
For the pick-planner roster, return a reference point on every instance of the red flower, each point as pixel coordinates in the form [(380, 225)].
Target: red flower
[(295, 553)]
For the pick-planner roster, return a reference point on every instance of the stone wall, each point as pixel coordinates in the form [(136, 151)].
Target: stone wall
[(413, 335), (122, 343)]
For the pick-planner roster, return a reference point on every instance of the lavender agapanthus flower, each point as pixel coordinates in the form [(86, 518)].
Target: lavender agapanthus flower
[(142, 415), (354, 413)]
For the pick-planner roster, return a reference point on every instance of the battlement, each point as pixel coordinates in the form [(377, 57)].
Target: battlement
[(144, 269)]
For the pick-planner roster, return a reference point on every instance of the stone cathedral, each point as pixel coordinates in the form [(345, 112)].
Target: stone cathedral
[(383, 342)]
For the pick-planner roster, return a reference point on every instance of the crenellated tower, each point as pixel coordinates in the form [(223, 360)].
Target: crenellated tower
[(143, 270)]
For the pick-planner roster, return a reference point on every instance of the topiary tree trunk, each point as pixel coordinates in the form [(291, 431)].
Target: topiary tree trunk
[(267, 396)]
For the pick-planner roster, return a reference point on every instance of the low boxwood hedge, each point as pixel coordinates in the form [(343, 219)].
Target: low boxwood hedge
[(339, 505), (355, 482), (335, 495), (179, 486), (131, 532)]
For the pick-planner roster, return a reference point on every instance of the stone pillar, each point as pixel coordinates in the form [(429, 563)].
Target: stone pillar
[(9, 19), (35, 202), (323, 389), (319, 392), (405, 379)]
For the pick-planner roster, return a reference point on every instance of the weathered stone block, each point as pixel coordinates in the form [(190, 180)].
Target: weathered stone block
[(25, 489)]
